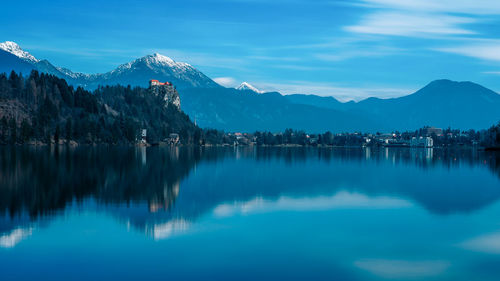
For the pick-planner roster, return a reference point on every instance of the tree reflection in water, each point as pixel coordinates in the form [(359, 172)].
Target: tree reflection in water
[(142, 187)]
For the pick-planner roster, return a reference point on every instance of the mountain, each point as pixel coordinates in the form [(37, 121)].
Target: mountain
[(234, 110), (140, 71), (9, 62), (442, 103), (318, 101), (12, 57), (13, 48), (135, 73), (247, 87)]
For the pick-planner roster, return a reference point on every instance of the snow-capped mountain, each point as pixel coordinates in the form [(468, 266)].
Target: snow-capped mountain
[(138, 72), (74, 75), (247, 87), (135, 73), (13, 57), (155, 60), (10, 62), (14, 49)]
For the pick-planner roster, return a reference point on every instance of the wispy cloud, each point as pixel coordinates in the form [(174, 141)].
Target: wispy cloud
[(403, 268), (453, 24), (273, 58), (479, 7), (301, 67), (423, 17), (491, 72), (373, 51), (226, 81), (11, 239), (406, 23), (168, 229), (341, 200), (489, 243), (485, 50)]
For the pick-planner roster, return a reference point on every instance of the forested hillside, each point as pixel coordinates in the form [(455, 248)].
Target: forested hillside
[(45, 109)]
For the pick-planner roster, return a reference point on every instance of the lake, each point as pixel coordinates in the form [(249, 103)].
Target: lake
[(181, 213)]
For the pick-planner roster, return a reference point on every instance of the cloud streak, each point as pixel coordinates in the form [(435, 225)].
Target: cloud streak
[(489, 243), (454, 24), (404, 23), (11, 239), (341, 200), (477, 7), (491, 72), (226, 81), (489, 51), (402, 268)]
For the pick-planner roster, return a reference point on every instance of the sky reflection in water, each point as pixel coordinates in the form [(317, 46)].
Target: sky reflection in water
[(246, 214)]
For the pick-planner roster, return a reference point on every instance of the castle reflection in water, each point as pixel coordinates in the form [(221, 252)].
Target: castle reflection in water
[(162, 191)]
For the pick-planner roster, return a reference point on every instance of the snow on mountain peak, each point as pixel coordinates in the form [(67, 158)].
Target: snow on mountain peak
[(157, 57), (247, 87), (14, 49), (160, 59), (156, 60)]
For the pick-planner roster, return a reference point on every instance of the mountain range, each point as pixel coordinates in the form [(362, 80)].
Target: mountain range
[(135, 73), (441, 103)]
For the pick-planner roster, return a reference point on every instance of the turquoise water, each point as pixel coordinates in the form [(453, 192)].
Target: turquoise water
[(249, 214)]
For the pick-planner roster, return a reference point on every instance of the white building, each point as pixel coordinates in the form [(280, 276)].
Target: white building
[(422, 142)]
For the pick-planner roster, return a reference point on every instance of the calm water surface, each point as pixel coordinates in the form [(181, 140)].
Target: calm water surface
[(249, 214)]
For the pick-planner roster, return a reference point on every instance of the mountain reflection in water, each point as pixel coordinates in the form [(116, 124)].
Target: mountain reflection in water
[(185, 213), (161, 191)]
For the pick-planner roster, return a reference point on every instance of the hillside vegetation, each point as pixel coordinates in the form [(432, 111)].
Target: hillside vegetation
[(43, 108)]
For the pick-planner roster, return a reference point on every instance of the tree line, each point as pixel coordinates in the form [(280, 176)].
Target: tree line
[(42, 108), (449, 137), (45, 109)]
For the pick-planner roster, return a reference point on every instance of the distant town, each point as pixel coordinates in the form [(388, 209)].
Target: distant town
[(426, 137)]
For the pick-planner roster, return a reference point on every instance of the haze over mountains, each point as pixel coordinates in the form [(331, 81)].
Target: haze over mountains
[(442, 103)]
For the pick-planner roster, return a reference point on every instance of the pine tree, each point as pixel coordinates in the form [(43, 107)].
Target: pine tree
[(13, 131), (68, 129), (57, 135), (4, 127), (26, 131)]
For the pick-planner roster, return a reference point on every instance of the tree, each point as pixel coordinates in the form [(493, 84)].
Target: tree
[(16, 82), (57, 134), (26, 131), (68, 129), (497, 136), (13, 131), (4, 127), (197, 136)]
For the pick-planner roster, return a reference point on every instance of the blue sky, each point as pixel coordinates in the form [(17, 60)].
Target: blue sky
[(348, 49)]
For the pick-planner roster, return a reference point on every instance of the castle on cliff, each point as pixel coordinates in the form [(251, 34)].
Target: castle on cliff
[(167, 91)]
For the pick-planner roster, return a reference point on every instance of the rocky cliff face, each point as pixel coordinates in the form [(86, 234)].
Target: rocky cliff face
[(168, 93)]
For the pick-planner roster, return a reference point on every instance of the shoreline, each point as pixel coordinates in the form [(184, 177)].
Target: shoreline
[(75, 144)]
